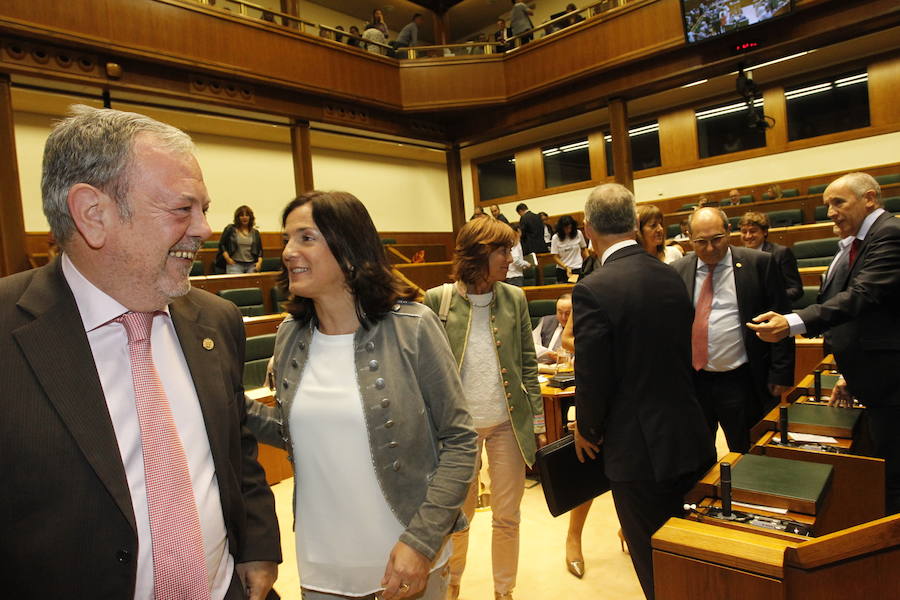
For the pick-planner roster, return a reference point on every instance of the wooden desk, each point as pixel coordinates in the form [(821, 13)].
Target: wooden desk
[(264, 281), (263, 325), (553, 418)]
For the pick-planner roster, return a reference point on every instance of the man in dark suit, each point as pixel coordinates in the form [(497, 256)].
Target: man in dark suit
[(634, 392), (859, 313), (128, 471), (736, 376), (755, 234), (532, 229), (548, 333)]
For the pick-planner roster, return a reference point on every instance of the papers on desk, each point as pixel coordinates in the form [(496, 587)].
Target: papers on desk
[(807, 438), (542, 379), (258, 393), (773, 509)]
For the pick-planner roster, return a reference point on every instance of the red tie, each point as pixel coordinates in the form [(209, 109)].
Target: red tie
[(854, 250), (700, 329), (179, 563)]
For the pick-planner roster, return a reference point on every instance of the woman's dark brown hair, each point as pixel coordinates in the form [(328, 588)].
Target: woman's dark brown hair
[(474, 243), (244, 210), (354, 242)]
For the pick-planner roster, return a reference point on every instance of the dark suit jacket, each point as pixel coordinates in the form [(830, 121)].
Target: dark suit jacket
[(633, 380), (862, 321), (66, 514), (532, 229), (760, 288), (788, 264)]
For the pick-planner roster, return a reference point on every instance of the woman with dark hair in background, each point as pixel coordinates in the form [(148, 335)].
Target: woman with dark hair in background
[(240, 247), (568, 248), (652, 236), (370, 407), (489, 330)]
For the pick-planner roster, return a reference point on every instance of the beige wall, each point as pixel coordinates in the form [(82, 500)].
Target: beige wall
[(842, 156)]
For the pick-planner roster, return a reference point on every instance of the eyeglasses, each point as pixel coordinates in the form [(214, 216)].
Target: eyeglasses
[(713, 241)]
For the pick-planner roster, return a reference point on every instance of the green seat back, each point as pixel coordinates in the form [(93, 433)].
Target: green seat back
[(810, 293), (821, 261), (790, 193), (825, 247), (248, 300), (529, 277), (550, 274), (211, 244), (255, 373), (271, 263), (197, 268), (888, 179), (278, 298), (735, 223), (785, 218), (745, 199), (689, 206), (259, 346), (892, 204), (387, 241), (816, 189), (673, 230), (821, 213), (540, 308)]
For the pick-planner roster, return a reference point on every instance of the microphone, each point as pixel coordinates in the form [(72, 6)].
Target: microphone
[(725, 488), (783, 424), (817, 385)]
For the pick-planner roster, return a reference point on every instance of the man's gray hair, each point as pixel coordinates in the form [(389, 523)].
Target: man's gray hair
[(95, 146), (610, 209), (859, 183)]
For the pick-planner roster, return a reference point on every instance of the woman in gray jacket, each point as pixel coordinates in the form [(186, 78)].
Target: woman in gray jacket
[(370, 408)]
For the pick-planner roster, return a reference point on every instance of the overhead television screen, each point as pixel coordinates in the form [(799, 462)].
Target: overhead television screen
[(705, 19)]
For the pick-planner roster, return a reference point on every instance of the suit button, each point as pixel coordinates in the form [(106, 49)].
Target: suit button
[(294, 363), (123, 557), (496, 329), (370, 346), (284, 383), (508, 395), (499, 343), (379, 383), (389, 423), (505, 384), (392, 444), (373, 365), (301, 345), (385, 403), (396, 465), (504, 370)]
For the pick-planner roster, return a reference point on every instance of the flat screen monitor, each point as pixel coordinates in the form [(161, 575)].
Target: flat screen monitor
[(705, 19)]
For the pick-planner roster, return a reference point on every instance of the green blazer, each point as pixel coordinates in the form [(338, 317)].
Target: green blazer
[(515, 353)]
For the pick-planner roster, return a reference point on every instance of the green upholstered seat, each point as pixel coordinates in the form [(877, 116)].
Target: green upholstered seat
[(689, 206), (278, 298), (735, 223), (745, 198), (673, 230), (550, 274), (821, 261), (785, 218), (248, 300), (821, 213), (529, 276), (258, 351), (211, 244), (888, 179), (827, 247), (892, 204), (816, 189), (810, 293), (540, 308), (387, 241), (271, 263), (790, 193), (197, 268)]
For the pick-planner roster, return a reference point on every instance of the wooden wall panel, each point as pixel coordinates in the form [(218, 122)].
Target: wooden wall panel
[(431, 84), (678, 138), (884, 92), (529, 172)]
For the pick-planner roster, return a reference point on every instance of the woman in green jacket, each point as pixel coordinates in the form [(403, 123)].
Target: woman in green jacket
[(489, 329)]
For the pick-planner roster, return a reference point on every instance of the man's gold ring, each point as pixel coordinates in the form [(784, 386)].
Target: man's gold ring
[(404, 587)]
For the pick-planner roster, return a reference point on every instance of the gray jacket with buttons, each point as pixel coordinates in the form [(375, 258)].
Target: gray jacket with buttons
[(420, 434)]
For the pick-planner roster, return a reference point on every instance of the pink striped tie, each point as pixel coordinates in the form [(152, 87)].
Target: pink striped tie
[(700, 329), (179, 563)]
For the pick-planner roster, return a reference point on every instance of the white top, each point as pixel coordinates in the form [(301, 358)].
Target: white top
[(673, 253), (518, 264), (480, 371), (569, 249), (345, 529), (726, 332), (797, 326), (109, 347)]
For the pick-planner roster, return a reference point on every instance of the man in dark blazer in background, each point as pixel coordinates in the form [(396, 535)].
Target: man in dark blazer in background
[(737, 377), (92, 426), (634, 393), (859, 313), (755, 234), (532, 229)]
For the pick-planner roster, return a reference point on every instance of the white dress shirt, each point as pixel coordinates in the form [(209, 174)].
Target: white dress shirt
[(109, 347), (614, 248), (798, 327), (554, 345), (519, 264), (726, 335)]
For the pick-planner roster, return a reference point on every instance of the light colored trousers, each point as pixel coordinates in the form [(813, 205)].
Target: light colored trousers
[(435, 589), (507, 470)]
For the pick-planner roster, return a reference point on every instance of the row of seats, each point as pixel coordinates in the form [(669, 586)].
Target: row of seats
[(250, 300)]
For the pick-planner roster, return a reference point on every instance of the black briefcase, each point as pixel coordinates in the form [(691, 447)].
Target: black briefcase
[(567, 482)]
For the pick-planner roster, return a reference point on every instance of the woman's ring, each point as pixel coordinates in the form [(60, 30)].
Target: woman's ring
[(404, 587)]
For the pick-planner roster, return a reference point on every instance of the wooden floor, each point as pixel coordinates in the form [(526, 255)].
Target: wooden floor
[(542, 572)]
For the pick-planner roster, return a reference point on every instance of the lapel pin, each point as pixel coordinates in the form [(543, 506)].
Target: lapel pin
[(208, 344), (738, 265)]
